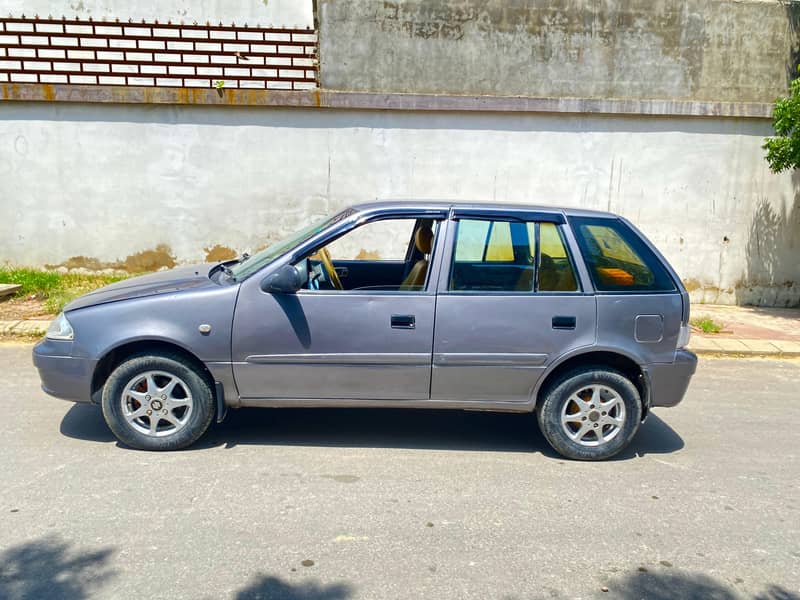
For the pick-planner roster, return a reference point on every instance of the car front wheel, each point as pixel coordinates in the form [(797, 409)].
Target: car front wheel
[(590, 414), (158, 402)]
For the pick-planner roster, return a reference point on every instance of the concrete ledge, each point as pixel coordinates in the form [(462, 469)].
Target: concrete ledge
[(7, 289), (30, 92)]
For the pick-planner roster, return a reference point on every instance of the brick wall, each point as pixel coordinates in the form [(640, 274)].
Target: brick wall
[(156, 54)]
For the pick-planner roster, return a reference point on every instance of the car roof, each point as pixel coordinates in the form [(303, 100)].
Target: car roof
[(422, 204)]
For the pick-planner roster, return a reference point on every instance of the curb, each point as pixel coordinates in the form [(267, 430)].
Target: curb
[(743, 354), (19, 327)]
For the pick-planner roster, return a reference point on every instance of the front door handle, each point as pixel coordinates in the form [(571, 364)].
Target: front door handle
[(403, 322), (561, 322), (342, 271)]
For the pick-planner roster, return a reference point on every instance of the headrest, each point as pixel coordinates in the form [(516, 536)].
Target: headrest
[(424, 239)]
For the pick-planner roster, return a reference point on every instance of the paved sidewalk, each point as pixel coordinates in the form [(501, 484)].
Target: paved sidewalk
[(747, 330), (705, 344)]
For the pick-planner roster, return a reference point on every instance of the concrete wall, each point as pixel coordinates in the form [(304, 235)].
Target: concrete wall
[(716, 50), (148, 185), (266, 12)]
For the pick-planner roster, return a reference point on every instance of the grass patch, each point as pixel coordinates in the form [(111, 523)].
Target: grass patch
[(706, 325), (55, 289)]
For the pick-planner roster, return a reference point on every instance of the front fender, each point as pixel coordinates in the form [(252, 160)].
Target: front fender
[(172, 318)]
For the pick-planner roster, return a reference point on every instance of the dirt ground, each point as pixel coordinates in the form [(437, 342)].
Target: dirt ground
[(25, 308)]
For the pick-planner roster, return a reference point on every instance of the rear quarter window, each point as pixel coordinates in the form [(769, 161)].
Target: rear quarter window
[(617, 258)]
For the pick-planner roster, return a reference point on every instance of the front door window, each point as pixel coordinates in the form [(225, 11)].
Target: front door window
[(384, 255)]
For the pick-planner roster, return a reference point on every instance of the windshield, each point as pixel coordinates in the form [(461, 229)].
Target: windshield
[(247, 267)]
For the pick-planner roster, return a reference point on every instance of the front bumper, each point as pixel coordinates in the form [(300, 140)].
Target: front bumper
[(63, 376), (668, 381)]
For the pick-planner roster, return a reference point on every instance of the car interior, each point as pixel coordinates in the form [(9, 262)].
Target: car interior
[(329, 272), (616, 264), (489, 256), (505, 258)]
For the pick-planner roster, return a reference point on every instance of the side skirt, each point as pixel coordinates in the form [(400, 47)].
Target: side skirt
[(516, 407)]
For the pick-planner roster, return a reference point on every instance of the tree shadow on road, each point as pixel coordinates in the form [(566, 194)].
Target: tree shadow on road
[(52, 568), (687, 586), (265, 587)]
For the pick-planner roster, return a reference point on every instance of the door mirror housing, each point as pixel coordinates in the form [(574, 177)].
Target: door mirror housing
[(286, 280)]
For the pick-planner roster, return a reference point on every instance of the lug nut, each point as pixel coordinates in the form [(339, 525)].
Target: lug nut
[(591, 406), (149, 412), (163, 396), (595, 425), (604, 413), (583, 418), (165, 411), (147, 397)]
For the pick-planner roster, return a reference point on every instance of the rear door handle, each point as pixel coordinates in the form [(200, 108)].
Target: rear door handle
[(561, 322), (403, 322)]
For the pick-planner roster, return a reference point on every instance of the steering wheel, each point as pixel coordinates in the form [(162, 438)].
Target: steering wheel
[(333, 276)]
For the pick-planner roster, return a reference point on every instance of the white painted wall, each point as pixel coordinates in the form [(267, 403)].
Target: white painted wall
[(107, 181), (265, 12)]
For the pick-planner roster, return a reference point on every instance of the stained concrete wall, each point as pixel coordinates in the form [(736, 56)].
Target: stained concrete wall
[(265, 12), (717, 50), (106, 182)]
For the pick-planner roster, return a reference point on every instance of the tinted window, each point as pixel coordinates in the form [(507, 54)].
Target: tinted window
[(500, 247), (500, 256), (618, 260), (555, 268), (472, 239)]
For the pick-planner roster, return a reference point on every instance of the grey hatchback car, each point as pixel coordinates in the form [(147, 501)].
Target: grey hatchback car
[(572, 314)]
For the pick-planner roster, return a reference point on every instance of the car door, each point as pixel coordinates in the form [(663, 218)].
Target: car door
[(510, 301), (332, 344)]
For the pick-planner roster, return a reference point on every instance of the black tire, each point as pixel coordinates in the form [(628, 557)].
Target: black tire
[(556, 396), (196, 422)]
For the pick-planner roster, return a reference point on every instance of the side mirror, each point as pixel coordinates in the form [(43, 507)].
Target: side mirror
[(286, 280)]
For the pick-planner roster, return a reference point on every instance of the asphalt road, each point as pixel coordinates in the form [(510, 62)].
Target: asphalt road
[(350, 504)]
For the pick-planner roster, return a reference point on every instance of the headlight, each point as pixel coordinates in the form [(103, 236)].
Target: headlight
[(60, 329), (684, 335)]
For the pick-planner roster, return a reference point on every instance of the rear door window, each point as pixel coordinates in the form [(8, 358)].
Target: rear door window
[(618, 260), (500, 256), (556, 273)]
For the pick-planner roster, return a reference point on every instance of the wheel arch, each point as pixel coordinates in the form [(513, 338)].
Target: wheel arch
[(602, 357), (116, 355)]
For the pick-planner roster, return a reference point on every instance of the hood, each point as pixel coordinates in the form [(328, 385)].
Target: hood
[(163, 282)]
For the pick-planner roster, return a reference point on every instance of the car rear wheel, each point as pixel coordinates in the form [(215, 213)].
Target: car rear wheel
[(158, 402), (590, 414)]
